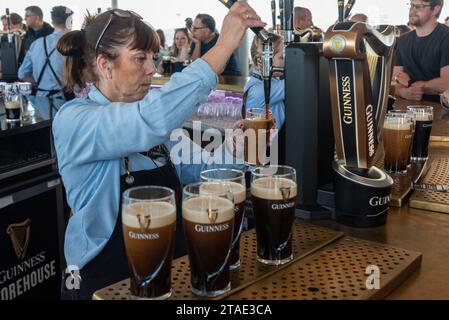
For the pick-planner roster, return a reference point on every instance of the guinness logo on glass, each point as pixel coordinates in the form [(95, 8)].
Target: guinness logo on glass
[(285, 191), (212, 214), (144, 220), (20, 237), (337, 44)]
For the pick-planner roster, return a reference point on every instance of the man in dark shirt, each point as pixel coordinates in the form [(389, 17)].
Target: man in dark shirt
[(204, 38), (37, 28), (422, 60)]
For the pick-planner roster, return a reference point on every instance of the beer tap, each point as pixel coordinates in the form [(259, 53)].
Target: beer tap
[(260, 32), (273, 14), (287, 17), (341, 10), (267, 55), (281, 14), (348, 8), (8, 27)]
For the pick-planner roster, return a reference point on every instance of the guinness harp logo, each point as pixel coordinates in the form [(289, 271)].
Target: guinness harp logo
[(20, 237), (212, 215), (337, 44)]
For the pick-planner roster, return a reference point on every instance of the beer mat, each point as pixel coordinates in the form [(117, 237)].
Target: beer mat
[(307, 239), (433, 200), (403, 182), (349, 269)]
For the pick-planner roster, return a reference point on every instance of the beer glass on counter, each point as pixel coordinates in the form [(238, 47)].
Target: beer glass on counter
[(257, 136), (149, 224), (424, 119), (12, 100), (208, 219), (167, 65), (273, 192), (398, 136), (236, 181)]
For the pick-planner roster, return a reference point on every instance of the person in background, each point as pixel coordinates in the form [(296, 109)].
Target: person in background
[(163, 50), (119, 137), (359, 17), (204, 38), (422, 57), (36, 28), (16, 23), (4, 23), (254, 96), (304, 29), (303, 18), (446, 21), (181, 45), (179, 51), (43, 65)]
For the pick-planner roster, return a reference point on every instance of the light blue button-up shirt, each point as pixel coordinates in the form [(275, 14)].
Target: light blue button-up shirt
[(256, 98), (92, 137), (34, 61)]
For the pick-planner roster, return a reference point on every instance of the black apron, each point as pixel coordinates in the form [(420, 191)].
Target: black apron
[(111, 264)]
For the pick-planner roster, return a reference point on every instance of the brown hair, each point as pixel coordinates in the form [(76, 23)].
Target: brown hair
[(175, 49), (256, 48), (79, 46)]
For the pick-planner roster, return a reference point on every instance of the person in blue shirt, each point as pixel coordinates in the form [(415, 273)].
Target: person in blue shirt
[(254, 96), (47, 76), (118, 137)]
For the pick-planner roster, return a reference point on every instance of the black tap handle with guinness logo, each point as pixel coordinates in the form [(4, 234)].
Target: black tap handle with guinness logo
[(360, 73), (341, 10), (273, 13), (348, 8), (260, 32)]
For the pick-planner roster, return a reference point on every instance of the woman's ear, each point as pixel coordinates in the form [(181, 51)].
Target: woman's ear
[(104, 67)]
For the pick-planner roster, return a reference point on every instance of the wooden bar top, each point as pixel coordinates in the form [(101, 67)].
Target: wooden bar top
[(229, 83)]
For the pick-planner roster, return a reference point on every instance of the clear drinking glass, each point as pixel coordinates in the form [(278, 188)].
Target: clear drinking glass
[(274, 192), (424, 119), (236, 180), (149, 225), (208, 219)]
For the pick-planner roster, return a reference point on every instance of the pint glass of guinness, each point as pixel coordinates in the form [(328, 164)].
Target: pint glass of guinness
[(208, 219), (257, 136), (236, 181), (398, 136), (273, 192), (167, 65), (424, 119), (149, 224), (12, 101)]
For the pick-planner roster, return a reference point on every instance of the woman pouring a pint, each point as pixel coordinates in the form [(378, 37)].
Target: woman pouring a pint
[(118, 138)]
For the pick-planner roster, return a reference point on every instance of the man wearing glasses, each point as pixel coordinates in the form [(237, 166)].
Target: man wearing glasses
[(422, 60), (37, 28), (204, 38)]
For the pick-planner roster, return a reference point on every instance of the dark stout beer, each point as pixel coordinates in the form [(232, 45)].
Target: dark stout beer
[(239, 195), (208, 226), (149, 234), (274, 202), (12, 111), (398, 134), (420, 149)]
